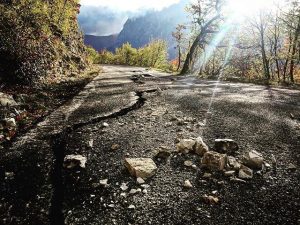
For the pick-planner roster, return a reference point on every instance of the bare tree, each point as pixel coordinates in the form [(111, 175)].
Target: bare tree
[(178, 36), (261, 25), (207, 15)]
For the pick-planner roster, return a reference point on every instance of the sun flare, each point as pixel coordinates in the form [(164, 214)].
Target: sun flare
[(247, 8)]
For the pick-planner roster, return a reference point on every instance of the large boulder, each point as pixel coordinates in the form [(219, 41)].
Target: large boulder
[(214, 160), (200, 147), (186, 145), (141, 167), (253, 159), (226, 146)]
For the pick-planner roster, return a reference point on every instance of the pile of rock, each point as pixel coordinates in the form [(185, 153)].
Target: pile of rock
[(221, 159), (10, 115)]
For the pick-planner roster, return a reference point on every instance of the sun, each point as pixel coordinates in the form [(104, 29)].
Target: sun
[(246, 8)]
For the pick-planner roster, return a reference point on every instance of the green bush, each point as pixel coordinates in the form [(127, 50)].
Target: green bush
[(152, 55)]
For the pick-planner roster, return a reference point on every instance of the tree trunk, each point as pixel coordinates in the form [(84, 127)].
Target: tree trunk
[(294, 48), (190, 55), (263, 52), (179, 58), (189, 58), (287, 58)]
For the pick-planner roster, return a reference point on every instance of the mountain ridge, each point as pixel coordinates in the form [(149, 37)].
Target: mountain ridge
[(139, 31)]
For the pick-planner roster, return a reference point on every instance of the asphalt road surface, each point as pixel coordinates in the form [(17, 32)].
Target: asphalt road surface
[(145, 111)]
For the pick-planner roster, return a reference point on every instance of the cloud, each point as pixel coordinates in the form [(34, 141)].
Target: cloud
[(107, 17), (130, 5), (101, 20)]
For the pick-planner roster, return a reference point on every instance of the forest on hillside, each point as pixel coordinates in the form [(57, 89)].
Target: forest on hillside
[(261, 46)]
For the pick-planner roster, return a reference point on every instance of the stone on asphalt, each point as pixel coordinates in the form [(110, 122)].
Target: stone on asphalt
[(73, 161), (104, 183), (141, 167), (245, 172), (227, 146), (7, 100), (214, 160), (186, 145), (253, 159), (187, 184), (124, 187), (188, 163), (140, 180), (229, 173), (200, 147), (232, 163), (292, 167)]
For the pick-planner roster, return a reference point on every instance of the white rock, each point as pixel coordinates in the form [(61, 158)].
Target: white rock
[(111, 205), (140, 180), (186, 145), (291, 166), (91, 143), (123, 194), (145, 186), (253, 159), (229, 173), (187, 184), (72, 161), (188, 163), (237, 180), (200, 147), (104, 182), (124, 187), (145, 191), (11, 122), (214, 160), (267, 165), (7, 100), (207, 175), (141, 167), (245, 172), (131, 207), (9, 175), (194, 167), (133, 191), (105, 124)]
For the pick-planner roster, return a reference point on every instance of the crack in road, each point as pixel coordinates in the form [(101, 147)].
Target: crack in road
[(58, 146)]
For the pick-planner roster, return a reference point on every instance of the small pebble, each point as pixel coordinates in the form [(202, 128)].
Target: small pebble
[(140, 180), (187, 184), (131, 207)]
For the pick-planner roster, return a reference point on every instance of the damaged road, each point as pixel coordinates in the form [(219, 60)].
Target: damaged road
[(135, 113)]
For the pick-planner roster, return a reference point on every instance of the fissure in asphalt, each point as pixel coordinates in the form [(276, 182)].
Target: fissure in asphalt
[(58, 145)]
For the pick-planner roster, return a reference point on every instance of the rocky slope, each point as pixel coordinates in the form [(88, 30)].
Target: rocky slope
[(40, 40)]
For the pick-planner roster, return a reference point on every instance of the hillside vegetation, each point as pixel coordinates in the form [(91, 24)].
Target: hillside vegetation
[(152, 55), (40, 40)]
